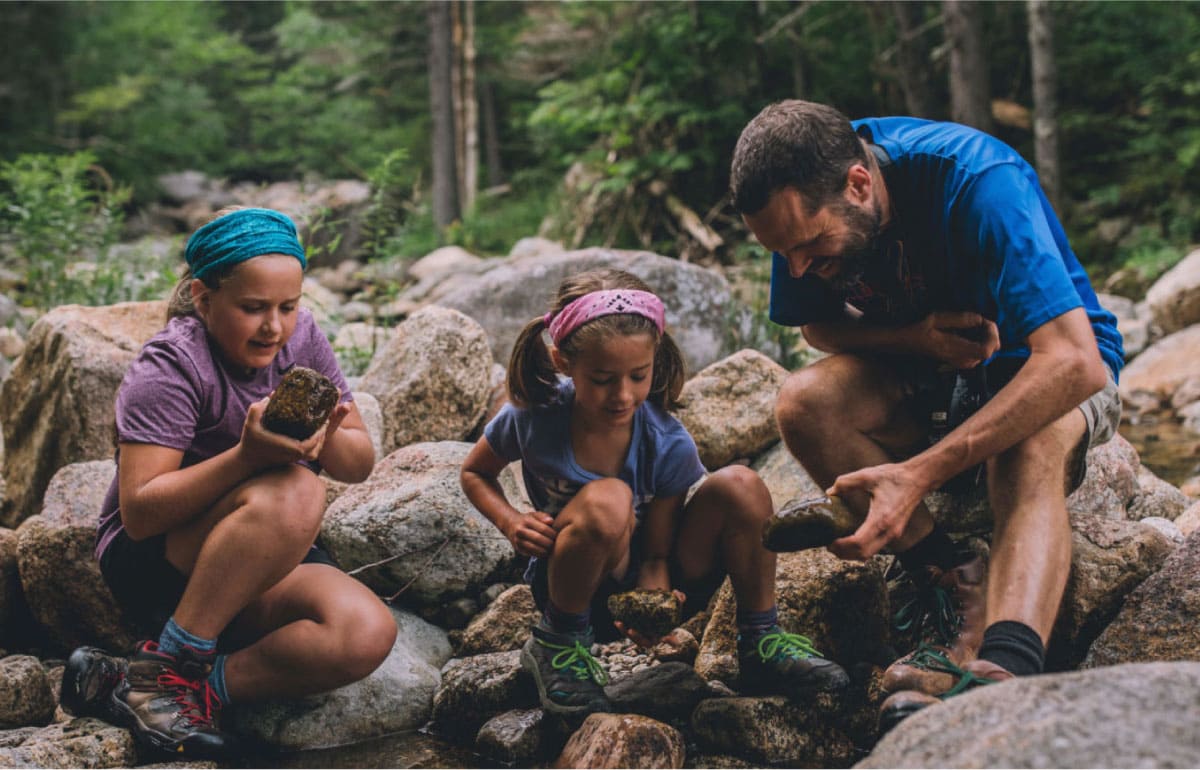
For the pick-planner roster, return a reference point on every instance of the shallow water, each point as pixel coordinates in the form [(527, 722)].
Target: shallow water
[(409, 749), (1167, 448)]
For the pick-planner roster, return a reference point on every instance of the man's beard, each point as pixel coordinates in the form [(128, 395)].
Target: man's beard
[(861, 243)]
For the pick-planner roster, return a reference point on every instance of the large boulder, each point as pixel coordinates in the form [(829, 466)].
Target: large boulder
[(396, 696), (84, 743), (1125, 716), (774, 732), (784, 476), (1166, 374), (623, 740), (1160, 620), (701, 308), (432, 378), (59, 574), (57, 405), (1109, 559), (412, 531), (729, 407), (475, 689), (1174, 299), (504, 625)]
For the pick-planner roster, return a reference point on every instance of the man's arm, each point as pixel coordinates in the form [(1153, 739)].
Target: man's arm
[(941, 336), (1064, 369)]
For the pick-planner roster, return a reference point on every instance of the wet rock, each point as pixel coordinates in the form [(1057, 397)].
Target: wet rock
[(56, 406), (679, 645), (719, 762), (83, 743), (504, 625), (60, 576), (1126, 716), (667, 692), (458, 613), (729, 407), (25, 695), (475, 689), (301, 403), (623, 740), (811, 523), (521, 737), (411, 521), (432, 378), (1158, 621), (396, 696), (773, 731), (1109, 559), (653, 612)]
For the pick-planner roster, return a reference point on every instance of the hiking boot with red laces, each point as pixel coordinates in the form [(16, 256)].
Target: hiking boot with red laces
[(901, 705), (947, 612), (89, 678), (166, 701)]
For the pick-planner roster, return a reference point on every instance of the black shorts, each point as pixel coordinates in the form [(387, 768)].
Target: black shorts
[(147, 587), (698, 591)]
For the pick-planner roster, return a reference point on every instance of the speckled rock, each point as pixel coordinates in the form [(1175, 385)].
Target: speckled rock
[(623, 740), (504, 625), (56, 406), (83, 743), (432, 378), (1109, 559), (59, 574), (1111, 480), (300, 404), (679, 645), (1160, 620), (1156, 497), (667, 692), (1166, 527), (1174, 299), (25, 695), (475, 689), (654, 612), (522, 737), (729, 407), (1169, 366), (774, 731), (411, 520), (1126, 716), (1189, 521)]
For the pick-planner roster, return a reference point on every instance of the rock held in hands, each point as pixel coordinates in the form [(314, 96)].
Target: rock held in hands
[(812, 523), (302, 402), (651, 612)]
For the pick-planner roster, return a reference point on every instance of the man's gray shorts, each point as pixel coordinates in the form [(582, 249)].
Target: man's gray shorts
[(1102, 412)]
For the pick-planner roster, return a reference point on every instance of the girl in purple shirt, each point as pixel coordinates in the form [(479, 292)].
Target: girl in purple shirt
[(208, 533), (608, 470)]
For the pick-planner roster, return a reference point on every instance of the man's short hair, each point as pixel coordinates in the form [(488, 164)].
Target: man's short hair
[(798, 144)]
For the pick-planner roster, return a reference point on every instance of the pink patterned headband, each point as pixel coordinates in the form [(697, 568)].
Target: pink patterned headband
[(601, 303)]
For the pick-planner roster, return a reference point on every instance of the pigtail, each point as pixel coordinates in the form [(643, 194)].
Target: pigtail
[(532, 379), (670, 373)]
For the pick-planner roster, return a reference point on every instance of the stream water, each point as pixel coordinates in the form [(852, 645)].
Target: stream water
[(1168, 449)]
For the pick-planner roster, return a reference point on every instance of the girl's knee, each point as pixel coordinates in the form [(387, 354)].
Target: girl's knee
[(741, 491), (603, 508), (290, 504), (366, 635)]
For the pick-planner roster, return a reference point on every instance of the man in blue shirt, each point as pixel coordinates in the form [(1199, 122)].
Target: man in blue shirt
[(925, 258)]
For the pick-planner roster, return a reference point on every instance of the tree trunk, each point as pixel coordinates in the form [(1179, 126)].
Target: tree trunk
[(970, 92), (469, 149), (1045, 96), (912, 57), (491, 136), (441, 104)]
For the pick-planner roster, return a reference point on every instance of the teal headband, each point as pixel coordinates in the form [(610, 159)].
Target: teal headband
[(240, 235)]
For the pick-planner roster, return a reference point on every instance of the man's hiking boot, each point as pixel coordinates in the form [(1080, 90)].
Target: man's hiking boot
[(947, 613), (569, 679), (901, 705), (89, 678), (780, 663), (166, 702)]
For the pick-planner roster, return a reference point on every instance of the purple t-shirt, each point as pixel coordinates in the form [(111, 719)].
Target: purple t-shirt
[(179, 394)]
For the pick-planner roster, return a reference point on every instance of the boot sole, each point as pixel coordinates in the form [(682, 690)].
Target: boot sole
[(893, 716), (148, 736), (529, 663)]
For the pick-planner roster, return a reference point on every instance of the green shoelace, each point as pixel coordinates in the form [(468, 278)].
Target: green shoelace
[(932, 609), (931, 659), (789, 645), (578, 659)]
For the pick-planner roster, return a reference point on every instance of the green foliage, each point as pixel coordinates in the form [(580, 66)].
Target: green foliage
[(386, 211), (59, 228), (781, 343)]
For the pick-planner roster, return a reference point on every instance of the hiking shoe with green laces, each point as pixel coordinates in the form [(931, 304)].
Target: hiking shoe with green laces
[(901, 705), (946, 613), (569, 679), (780, 663)]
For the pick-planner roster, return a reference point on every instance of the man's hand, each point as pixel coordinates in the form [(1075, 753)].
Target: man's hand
[(532, 534), (961, 339), (894, 494)]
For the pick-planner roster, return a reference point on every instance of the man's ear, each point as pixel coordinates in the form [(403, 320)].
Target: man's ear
[(858, 183)]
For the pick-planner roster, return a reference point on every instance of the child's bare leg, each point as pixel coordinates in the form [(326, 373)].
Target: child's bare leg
[(248, 542), (593, 541), (317, 629), (725, 519)]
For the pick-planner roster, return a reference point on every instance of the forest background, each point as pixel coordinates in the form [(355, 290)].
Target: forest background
[(479, 123)]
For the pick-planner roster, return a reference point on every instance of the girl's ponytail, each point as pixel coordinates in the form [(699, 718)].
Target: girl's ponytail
[(670, 372), (532, 379)]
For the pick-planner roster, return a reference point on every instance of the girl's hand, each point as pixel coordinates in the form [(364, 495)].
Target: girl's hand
[(640, 639), (313, 445), (262, 448), (532, 534)]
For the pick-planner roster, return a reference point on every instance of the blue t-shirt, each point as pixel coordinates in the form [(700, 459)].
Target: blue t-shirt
[(662, 459), (972, 230)]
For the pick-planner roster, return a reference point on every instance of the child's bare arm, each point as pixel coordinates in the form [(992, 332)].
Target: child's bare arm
[(531, 533), (347, 453)]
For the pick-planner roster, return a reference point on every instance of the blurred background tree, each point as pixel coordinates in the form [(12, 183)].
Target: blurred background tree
[(602, 123)]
